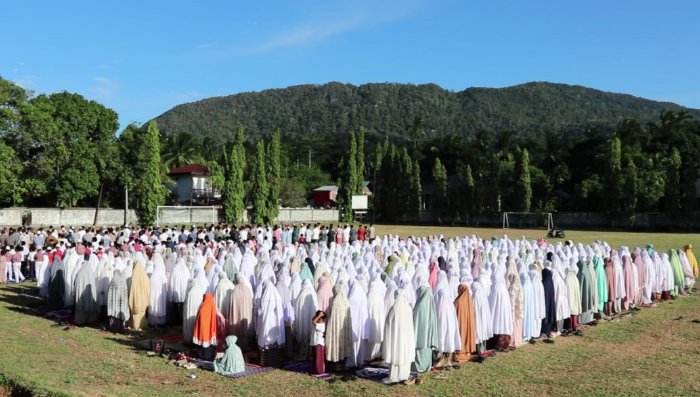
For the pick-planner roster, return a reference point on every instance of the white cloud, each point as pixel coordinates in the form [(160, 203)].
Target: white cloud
[(362, 16), (27, 82), (207, 45), (310, 33), (104, 87)]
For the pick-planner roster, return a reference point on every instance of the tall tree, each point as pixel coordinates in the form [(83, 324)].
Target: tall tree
[(259, 192), (347, 183), (416, 131), (360, 160), (673, 183), (406, 200), (440, 199), (378, 196), (274, 174), (344, 197), (523, 184), (629, 199), (613, 177), (470, 193), (416, 192), (237, 178), (149, 192), (231, 182), (68, 144), (390, 184)]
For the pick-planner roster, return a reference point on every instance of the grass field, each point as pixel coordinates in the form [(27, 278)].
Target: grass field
[(661, 241), (654, 353)]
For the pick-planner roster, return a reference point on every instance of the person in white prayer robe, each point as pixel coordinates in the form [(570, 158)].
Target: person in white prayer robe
[(399, 341)]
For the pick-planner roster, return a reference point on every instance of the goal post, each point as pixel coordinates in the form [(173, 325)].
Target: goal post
[(528, 220), (179, 215)]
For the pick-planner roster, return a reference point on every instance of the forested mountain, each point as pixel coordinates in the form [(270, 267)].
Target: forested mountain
[(333, 109)]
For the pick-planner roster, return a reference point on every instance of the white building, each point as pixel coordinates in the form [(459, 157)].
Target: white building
[(192, 185)]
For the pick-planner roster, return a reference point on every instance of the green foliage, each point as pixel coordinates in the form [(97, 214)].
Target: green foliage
[(523, 184), (69, 144), (470, 199), (629, 198), (586, 150), (613, 177), (590, 191), (689, 191), (334, 109), (229, 178), (12, 99), (360, 160), (292, 193), (310, 178), (672, 196), (259, 191), (351, 175), (440, 203), (76, 182), (416, 193), (148, 189), (236, 205), (274, 175), (353, 186), (11, 188), (182, 149)]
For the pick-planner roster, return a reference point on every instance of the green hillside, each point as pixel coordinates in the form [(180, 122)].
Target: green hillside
[(388, 109)]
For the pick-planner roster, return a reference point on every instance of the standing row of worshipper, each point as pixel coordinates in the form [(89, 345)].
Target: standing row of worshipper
[(415, 303)]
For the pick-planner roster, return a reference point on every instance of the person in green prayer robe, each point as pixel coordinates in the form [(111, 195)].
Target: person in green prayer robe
[(677, 273), (601, 282), (232, 362), (425, 328)]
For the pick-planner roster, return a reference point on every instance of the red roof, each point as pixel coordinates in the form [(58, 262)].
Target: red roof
[(194, 169)]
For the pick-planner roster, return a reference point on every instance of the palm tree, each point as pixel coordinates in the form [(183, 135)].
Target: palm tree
[(505, 144), (181, 149), (416, 131)]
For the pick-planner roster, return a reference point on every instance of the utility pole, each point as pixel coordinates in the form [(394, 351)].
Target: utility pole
[(126, 205)]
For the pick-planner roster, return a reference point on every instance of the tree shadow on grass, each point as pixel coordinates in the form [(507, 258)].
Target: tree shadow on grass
[(24, 299)]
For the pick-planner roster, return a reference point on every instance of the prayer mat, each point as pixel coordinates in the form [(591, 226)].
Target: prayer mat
[(62, 317), (62, 314), (305, 367), (250, 369), (174, 338), (378, 374)]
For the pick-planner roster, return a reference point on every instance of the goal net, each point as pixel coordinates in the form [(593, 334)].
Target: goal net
[(186, 215), (528, 220)]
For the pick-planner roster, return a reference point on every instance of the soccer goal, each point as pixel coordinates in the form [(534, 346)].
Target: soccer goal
[(186, 215), (528, 220)]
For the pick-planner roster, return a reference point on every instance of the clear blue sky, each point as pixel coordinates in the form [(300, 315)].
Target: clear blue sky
[(141, 58)]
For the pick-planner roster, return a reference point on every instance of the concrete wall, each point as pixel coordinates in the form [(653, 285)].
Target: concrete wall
[(187, 216), (290, 215), (67, 216), (168, 216)]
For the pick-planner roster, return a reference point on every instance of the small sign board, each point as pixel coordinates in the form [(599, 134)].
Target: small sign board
[(359, 202)]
